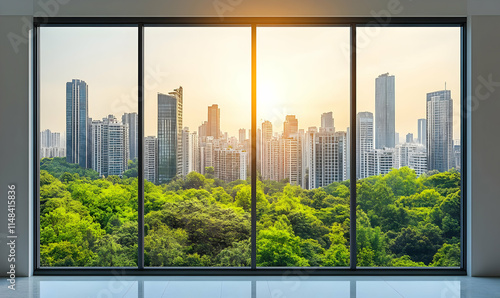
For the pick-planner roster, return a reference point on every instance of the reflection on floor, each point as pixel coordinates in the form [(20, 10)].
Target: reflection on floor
[(252, 287)]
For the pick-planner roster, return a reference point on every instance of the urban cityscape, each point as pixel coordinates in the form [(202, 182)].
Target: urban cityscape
[(197, 150), (311, 158)]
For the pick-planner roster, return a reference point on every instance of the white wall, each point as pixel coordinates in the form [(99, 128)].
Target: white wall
[(484, 44)]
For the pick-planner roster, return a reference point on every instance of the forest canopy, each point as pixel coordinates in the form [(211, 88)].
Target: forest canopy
[(198, 220)]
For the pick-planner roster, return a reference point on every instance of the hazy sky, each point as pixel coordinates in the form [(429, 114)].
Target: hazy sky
[(300, 71), (105, 58)]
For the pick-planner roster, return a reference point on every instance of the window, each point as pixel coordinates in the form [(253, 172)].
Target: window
[(303, 117), (312, 144), (88, 147), (408, 147), (197, 206)]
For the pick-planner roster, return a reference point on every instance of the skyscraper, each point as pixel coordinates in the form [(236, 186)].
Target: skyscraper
[(440, 131), (187, 153), (269, 153), (385, 101), (202, 129), (77, 123), (242, 135), (131, 119), (271, 159), (291, 160), (267, 130), (150, 158), (194, 150), (110, 150), (308, 157), (364, 141), (327, 122), (409, 138), (213, 124), (169, 135), (50, 144), (230, 164), (330, 161), (422, 132), (290, 127), (457, 152)]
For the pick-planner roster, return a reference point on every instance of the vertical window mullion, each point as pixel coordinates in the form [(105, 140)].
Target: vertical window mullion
[(254, 150), (140, 149), (352, 178)]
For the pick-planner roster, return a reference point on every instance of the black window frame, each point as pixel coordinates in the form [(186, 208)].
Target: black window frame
[(252, 22)]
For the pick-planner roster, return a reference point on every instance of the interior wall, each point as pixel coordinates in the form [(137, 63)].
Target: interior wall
[(484, 44), (15, 144), (484, 142), (223, 8)]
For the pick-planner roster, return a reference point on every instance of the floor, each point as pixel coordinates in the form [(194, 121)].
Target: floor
[(251, 287)]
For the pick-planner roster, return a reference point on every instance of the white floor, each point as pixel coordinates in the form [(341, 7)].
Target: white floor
[(251, 287)]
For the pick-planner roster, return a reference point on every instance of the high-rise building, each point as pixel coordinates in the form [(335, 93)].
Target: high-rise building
[(385, 113), (169, 135), (329, 162), (364, 141), (308, 159), (242, 135), (422, 132), (380, 161), (50, 139), (418, 161), (77, 123), (194, 150), (131, 119), (291, 160), (290, 127), (207, 154), (50, 144), (409, 138), (213, 124), (202, 129), (151, 159), (187, 153), (230, 164), (457, 152), (110, 148), (406, 151), (267, 130), (264, 158), (396, 138), (440, 131), (271, 159), (327, 122)]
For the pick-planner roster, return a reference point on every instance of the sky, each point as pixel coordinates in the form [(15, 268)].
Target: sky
[(300, 71)]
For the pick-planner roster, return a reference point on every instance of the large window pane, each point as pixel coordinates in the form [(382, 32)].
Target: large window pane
[(88, 147), (303, 147), (408, 147), (197, 117)]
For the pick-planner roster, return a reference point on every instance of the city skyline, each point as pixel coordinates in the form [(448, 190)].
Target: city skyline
[(115, 93), (325, 120), (313, 158)]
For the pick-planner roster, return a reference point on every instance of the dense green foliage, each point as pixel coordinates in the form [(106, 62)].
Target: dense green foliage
[(402, 220)]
